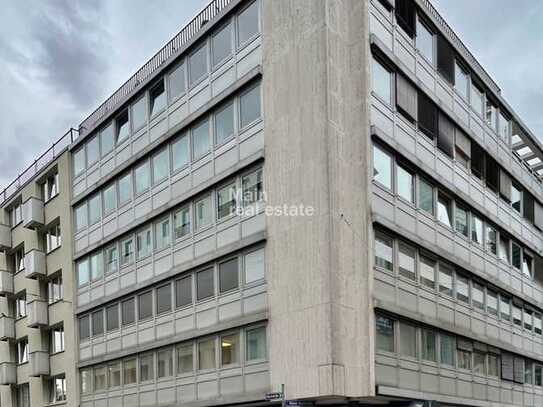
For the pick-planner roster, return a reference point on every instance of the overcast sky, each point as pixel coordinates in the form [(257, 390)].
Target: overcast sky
[(59, 59)]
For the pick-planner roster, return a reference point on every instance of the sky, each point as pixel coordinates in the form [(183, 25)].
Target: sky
[(60, 59)]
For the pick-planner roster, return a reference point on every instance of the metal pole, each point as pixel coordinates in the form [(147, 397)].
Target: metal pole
[(283, 398)]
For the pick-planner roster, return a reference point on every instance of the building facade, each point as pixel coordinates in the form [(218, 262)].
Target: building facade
[(330, 196)]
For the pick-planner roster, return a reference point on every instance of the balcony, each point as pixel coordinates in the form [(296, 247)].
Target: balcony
[(7, 328), (6, 283), (35, 264), (33, 213), (5, 237), (38, 313), (39, 363), (8, 373)]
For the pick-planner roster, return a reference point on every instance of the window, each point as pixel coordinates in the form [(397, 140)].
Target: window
[(492, 174), (406, 98), (129, 371), (384, 332), (139, 114), (177, 82), (516, 198), (537, 324), (110, 199), (221, 45), (224, 123), (164, 299), (180, 153), (79, 161), (408, 340), (96, 266), (462, 288), (22, 351), (461, 81), (516, 254), (83, 272), (203, 212), (445, 59), (181, 221), (425, 42), (98, 322), (426, 196), (127, 248), (95, 209), (84, 328), (122, 127), (504, 249), (248, 23), (477, 100), (447, 349), (200, 140), (461, 221), (114, 374), (491, 237), (205, 286), (125, 189), (381, 82), (383, 251), (538, 375), (53, 238), (405, 184), (58, 389), (528, 372), (197, 65), (491, 114), (107, 139), (249, 106), (505, 308), (445, 280), (142, 178), (427, 272), (479, 363), (161, 166), (493, 365), (476, 229), (23, 395), (445, 135), (517, 315), (185, 358), (112, 261), (226, 201), (147, 371), (164, 363), (158, 98), (429, 344), (19, 260), (162, 233), (478, 295), (144, 243), (477, 161), (504, 128), (527, 265), (145, 305), (228, 275), (491, 302), (112, 317), (81, 216), (57, 339), (406, 260), (51, 187), (382, 167), (206, 354), (16, 214), (255, 344), (100, 378), (528, 319), (86, 381), (444, 209), (55, 290), (20, 306), (253, 188), (183, 291), (128, 311), (93, 151), (229, 349)]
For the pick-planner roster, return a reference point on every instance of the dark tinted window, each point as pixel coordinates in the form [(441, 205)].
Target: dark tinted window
[(145, 305), (84, 328), (163, 299), (204, 284), (183, 291), (405, 16), (427, 114), (228, 275), (98, 322), (128, 311), (112, 317), (445, 59)]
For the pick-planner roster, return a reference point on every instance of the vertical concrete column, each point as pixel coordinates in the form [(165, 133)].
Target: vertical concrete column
[(315, 97)]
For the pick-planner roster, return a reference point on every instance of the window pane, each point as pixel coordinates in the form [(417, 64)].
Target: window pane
[(462, 288), (129, 371), (427, 272), (128, 311), (528, 372), (197, 65), (476, 100), (476, 229), (248, 23), (83, 272), (97, 266), (100, 382), (183, 291), (144, 243), (112, 317), (516, 198), (228, 275), (177, 82), (491, 302), (408, 340), (93, 151), (114, 374), (426, 197), (384, 332), (158, 98), (184, 358), (145, 305), (445, 280), (464, 359), (112, 261), (95, 209), (256, 344), (254, 266), (515, 255), (405, 184), (383, 252), (504, 249), (122, 126), (127, 247), (221, 44), (110, 199), (493, 365), (79, 161), (206, 354), (147, 371), (249, 106), (504, 131), (517, 315), (461, 220), (229, 349), (84, 327), (447, 350), (161, 166), (444, 210), (491, 235), (165, 363), (203, 212), (505, 308), (162, 234), (461, 81), (86, 381), (107, 139), (200, 140), (381, 82), (125, 189), (142, 178), (163, 299), (97, 323), (204, 284), (252, 187), (180, 153), (429, 345), (478, 296), (224, 123), (226, 201), (81, 216), (425, 42), (537, 324), (528, 320), (139, 114), (181, 220), (382, 167), (527, 265)]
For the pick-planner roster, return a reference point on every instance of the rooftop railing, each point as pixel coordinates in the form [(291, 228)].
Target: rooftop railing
[(153, 64)]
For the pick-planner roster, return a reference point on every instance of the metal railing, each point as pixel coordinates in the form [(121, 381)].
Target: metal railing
[(154, 63), (42, 161)]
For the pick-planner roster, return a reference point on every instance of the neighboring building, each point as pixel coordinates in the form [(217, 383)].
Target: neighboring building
[(417, 277)]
